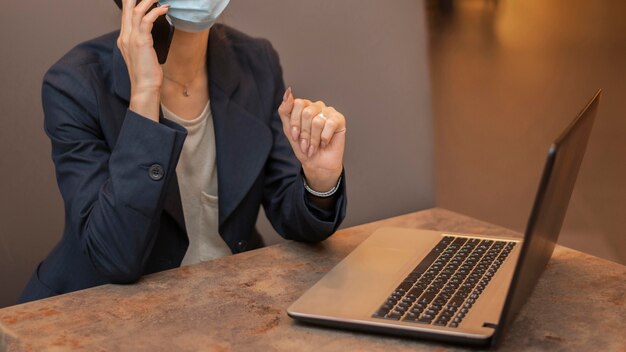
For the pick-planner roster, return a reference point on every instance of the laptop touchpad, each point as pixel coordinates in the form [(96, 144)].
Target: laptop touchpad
[(361, 282)]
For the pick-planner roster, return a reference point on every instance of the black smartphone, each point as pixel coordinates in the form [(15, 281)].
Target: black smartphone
[(162, 34)]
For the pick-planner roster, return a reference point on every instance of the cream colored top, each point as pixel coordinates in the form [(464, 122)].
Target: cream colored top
[(197, 180)]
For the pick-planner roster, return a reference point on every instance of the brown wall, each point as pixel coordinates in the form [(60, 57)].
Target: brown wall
[(33, 36), (508, 77), (365, 57), (370, 62)]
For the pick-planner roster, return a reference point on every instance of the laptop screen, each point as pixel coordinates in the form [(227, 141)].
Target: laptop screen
[(555, 189)]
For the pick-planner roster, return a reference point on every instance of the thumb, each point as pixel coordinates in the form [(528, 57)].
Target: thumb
[(285, 108)]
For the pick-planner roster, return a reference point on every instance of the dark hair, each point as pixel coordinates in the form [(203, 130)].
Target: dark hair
[(119, 3)]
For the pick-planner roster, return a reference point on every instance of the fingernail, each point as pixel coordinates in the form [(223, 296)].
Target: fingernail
[(287, 94), (295, 133), (311, 151), (304, 144)]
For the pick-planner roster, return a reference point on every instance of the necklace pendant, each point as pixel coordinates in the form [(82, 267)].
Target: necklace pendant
[(185, 92)]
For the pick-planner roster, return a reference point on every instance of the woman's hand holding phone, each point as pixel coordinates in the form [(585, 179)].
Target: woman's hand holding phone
[(136, 44)]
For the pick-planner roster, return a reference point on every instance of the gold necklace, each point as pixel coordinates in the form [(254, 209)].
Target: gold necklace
[(185, 85)]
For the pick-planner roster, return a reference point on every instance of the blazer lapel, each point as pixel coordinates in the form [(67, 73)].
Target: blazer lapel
[(243, 141)]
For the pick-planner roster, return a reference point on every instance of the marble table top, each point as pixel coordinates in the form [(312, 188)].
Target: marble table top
[(238, 303)]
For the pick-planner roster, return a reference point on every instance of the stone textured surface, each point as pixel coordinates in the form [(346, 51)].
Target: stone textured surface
[(238, 303)]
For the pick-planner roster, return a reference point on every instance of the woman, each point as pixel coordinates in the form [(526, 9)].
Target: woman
[(138, 148)]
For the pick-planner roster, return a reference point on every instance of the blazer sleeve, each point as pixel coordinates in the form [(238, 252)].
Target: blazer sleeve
[(284, 199), (113, 194)]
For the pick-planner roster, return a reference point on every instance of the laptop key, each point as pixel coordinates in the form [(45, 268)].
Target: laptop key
[(409, 299), (417, 311), (456, 301), (416, 292), (426, 316), (405, 285), (451, 309), (381, 313), (444, 318), (411, 316), (393, 316)]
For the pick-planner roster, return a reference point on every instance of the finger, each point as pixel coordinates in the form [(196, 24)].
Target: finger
[(127, 19), (306, 122), (335, 124), (140, 11), (317, 126), (295, 117), (148, 20), (284, 110), (127, 12)]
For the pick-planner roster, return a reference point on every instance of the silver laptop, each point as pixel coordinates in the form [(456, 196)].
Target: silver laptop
[(453, 287)]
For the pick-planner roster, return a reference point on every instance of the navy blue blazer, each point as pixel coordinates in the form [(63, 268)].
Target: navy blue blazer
[(116, 169)]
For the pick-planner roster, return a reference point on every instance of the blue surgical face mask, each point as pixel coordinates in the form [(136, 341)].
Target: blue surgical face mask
[(194, 15)]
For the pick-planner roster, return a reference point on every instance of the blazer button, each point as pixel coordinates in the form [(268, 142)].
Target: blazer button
[(156, 172), (242, 245)]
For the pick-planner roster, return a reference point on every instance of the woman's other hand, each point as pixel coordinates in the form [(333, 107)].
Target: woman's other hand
[(135, 43), (317, 134)]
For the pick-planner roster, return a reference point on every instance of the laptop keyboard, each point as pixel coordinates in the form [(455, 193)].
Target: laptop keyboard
[(444, 286)]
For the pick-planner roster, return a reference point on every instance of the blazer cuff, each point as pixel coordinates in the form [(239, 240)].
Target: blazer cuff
[(144, 159), (330, 217)]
